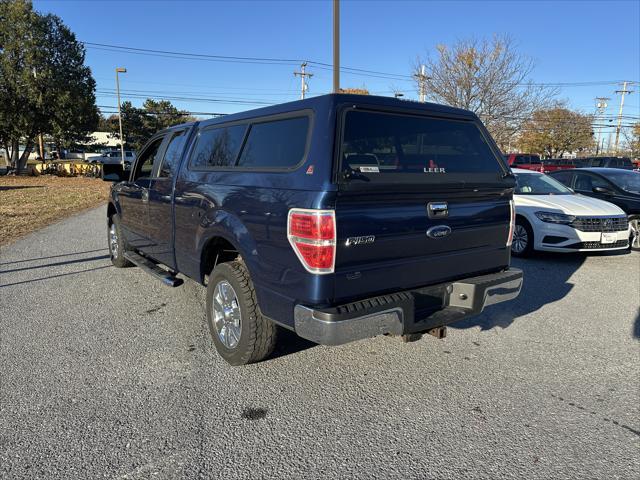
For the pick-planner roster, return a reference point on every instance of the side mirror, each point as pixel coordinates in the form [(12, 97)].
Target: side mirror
[(113, 173), (602, 190)]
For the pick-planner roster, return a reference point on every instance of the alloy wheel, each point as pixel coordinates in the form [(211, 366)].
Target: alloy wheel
[(226, 314), (520, 239), (635, 233), (113, 240)]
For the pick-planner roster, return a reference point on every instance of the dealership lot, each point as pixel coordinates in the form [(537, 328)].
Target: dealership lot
[(107, 373)]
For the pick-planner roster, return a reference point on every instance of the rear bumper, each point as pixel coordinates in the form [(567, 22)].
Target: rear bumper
[(410, 311)]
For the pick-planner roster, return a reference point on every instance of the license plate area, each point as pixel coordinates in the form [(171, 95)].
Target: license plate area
[(608, 237)]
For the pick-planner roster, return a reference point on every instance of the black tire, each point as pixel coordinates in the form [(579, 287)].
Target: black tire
[(117, 252), (522, 232), (634, 238), (258, 335)]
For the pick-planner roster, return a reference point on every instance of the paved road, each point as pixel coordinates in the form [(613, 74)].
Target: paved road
[(106, 373)]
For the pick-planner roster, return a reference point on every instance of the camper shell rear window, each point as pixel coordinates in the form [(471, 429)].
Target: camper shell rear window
[(384, 145)]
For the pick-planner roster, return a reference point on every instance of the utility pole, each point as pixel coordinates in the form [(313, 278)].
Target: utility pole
[(40, 140), (601, 106), (422, 84), (622, 92), (120, 70), (336, 46), (303, 83)]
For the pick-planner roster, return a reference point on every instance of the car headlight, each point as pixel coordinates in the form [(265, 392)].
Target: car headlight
[(553, 217)]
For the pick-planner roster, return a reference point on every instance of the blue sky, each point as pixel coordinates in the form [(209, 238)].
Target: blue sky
[(570, 41)]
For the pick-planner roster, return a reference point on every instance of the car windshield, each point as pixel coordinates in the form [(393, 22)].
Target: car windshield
[(536, 184), (625, 179)]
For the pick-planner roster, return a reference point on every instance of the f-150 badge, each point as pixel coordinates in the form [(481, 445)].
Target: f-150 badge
[(364, 240)]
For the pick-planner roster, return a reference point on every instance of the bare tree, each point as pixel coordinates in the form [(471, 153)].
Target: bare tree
[(490, 78)]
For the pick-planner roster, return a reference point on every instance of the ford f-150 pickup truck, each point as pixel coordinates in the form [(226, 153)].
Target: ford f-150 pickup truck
[(340, 217)]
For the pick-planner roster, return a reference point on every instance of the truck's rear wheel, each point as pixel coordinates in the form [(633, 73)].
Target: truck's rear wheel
[(117, 243), (239, 331)]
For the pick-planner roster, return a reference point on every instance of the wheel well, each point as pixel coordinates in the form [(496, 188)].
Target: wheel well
[(111, 211), (524, 220), (217, 250)]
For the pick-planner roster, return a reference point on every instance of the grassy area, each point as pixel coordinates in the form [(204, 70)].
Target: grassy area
[(30, 203)]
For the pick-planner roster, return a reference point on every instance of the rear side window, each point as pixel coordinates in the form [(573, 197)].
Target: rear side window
[(172, 155), (217, 147), (381, 143), (275, 144)]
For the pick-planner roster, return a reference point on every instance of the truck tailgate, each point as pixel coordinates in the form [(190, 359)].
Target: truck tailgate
[(383, 245)]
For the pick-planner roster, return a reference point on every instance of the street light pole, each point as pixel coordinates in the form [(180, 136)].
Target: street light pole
[(336, 46), (120, 70)]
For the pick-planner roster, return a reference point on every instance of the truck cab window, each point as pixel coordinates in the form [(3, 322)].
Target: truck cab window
[(144, 166), (171, 158)]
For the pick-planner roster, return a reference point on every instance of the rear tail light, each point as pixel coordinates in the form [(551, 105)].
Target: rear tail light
[(312, 234), (512, 222)]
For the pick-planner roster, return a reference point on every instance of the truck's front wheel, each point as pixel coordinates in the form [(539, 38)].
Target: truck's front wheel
[(239, 331), (117, 243)]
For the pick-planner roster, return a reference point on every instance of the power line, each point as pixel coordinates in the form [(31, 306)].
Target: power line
[(182, 113), (317, 64)]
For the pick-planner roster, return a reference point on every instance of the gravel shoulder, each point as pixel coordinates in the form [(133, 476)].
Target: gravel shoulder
[(105, 372)]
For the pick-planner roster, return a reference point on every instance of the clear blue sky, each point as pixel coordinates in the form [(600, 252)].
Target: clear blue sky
[(570, 41)]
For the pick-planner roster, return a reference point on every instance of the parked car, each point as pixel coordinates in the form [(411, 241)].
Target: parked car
[(621, 187), (552, 217), (605, 162), (113, 158), (527, 161), (399, 228), (554, 164)]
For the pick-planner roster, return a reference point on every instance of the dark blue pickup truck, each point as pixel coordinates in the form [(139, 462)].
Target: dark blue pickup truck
[(340, 217)]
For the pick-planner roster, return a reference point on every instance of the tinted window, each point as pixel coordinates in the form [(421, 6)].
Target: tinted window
[(217, 147), (564, 177), (624, 179), (278, 144), (171, 159), (144, 166), (586, 183), (378, 143)]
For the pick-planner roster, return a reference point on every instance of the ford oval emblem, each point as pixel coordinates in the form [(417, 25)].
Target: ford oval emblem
[(439, 231)]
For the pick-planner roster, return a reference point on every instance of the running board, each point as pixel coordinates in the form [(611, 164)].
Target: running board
[(153, 269)]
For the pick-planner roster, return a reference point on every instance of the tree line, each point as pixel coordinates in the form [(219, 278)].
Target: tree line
[(46, 88)]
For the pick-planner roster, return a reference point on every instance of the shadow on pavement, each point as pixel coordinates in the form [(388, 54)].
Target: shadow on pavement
[(55, 276), (57, 264), (546, 280), (54, 256), (289, 343)]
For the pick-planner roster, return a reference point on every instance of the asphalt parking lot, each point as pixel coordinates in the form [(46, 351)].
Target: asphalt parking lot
[(106, 373)]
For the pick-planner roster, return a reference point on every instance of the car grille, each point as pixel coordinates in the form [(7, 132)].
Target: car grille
[(600, 224), (596, 245)]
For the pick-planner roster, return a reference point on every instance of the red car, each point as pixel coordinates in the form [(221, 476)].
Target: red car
[(554, 164), (528, 161)]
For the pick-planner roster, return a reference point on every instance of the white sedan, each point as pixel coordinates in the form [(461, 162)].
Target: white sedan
[(551, 217)]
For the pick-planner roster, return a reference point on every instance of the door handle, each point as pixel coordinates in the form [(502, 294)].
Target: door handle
[(437, 209)]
